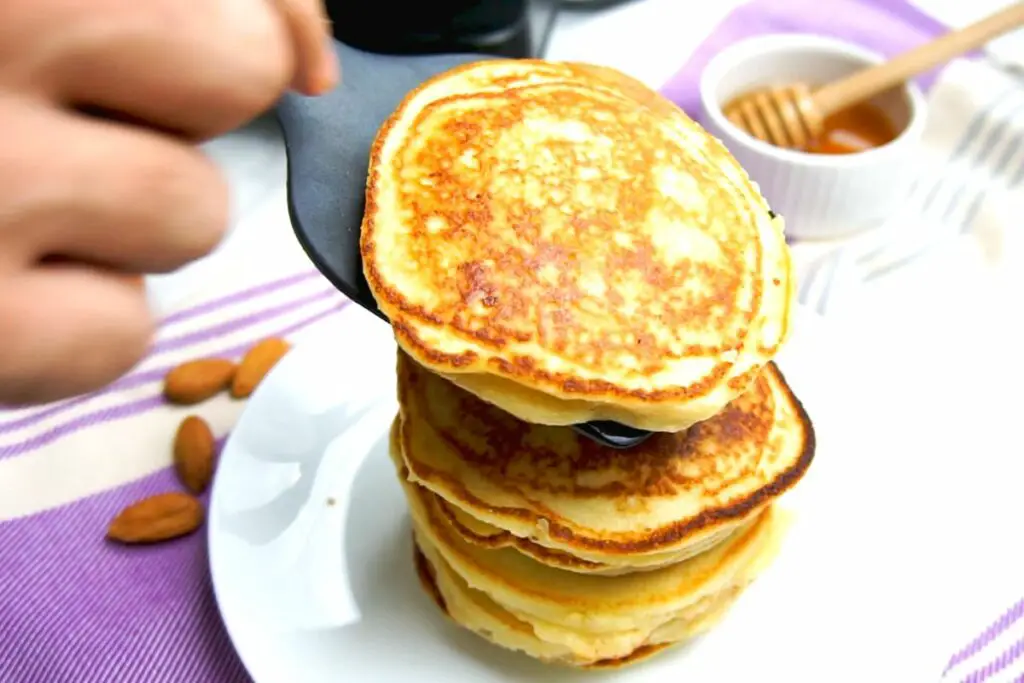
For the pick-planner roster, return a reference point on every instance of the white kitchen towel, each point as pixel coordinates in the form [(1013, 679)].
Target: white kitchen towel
[(962, 220), (54, 454), (938, 288)]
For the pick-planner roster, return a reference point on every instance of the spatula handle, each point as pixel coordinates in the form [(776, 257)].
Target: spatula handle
[(871, 81)]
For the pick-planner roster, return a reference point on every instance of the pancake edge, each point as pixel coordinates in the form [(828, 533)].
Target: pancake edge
[(664, 538)]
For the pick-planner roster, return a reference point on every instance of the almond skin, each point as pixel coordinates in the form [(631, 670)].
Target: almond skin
[(193, 453), (157, 518), (260, 359), (198, 380)]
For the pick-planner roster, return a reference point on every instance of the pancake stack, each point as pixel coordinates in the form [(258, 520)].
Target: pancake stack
[(555, 243)]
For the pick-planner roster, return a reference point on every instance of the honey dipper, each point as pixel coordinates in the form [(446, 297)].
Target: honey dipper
[(792, 115)]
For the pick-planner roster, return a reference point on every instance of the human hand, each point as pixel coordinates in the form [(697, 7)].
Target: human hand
[(101, 104)]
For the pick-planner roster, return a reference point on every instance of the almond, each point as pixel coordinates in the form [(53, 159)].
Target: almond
[(198, 380), (193, 453), (256, 364), (157, 518)]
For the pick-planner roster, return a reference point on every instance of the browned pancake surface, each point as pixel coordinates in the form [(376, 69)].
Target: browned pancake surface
[(735, 451), (525, 238)]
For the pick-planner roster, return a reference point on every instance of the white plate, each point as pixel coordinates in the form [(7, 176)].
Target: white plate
[(310, 546)]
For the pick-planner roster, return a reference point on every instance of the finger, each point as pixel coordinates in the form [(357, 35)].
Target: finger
[(113, 195), (68, 330), (316, 65), (131, 279), (196, 67)]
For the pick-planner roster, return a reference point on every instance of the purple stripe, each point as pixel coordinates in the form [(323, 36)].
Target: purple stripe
[(1005, 659), (910, 15), (238, 297), (1004, 622), (139, 378), (137, 406), (79, 609), (229, 326)]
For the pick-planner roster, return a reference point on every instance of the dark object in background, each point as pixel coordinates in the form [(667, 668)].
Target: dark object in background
[(399, 27)]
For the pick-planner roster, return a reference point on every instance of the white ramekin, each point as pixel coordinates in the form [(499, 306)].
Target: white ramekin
[(819, 196)]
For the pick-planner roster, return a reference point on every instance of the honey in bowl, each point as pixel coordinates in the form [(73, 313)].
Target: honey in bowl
[(857, 128)]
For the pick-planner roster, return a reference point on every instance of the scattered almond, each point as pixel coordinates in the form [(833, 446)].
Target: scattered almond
[(256, 364), (170, 515), (198, 380), (157, 518), (193, 453)]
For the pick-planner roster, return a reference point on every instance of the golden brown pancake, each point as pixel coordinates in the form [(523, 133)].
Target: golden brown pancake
[(477, 613), (427, 576), (567, 244), (558, 616), (477, 532), (571, 503)]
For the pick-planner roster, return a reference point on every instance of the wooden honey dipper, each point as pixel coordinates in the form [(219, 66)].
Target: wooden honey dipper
[(791, 116)]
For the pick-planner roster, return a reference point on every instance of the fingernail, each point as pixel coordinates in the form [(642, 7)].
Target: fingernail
[(329, 73)]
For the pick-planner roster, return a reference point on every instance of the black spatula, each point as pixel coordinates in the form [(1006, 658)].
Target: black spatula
[(328, 141)]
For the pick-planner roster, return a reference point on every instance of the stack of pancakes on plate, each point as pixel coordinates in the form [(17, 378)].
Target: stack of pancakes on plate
[(553, 244)]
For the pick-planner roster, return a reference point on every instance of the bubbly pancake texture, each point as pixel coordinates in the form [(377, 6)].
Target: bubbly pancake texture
[(567, 244), (562, 617), (571, 503)]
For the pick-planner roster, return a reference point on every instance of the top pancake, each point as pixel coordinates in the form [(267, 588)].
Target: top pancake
[(567, 244)]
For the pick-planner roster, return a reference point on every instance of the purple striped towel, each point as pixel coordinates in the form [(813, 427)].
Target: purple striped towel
[(75, 608), (995, 655)]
